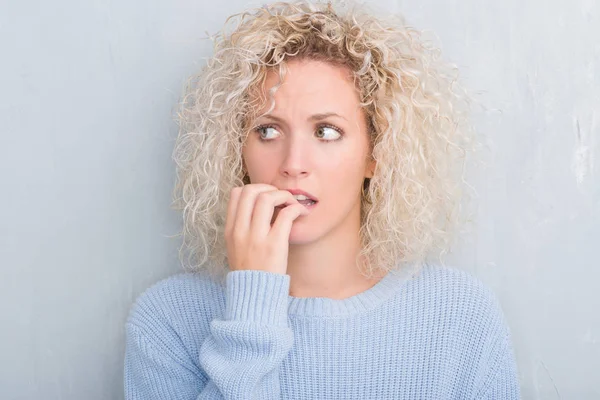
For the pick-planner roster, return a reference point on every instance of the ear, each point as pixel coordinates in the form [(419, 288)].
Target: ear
[(370, 169)]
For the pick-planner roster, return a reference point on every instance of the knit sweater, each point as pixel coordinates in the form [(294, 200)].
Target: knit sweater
[(429, 333)]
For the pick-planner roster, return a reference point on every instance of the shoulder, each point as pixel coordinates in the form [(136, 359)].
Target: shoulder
[(168, 322), (178, 301), (451, 282), (473, 323), (465, 301)]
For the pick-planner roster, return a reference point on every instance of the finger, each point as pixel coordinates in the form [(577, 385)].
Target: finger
[(234, 196), (282, 227), (245, 205), (266, 202)]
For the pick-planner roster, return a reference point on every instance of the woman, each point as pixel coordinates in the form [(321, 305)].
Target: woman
[(317, 171)]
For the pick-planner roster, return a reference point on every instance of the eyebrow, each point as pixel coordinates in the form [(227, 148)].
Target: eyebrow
[(314, 117)]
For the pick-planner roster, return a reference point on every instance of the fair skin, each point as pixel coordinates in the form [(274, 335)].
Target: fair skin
[(300, 151)]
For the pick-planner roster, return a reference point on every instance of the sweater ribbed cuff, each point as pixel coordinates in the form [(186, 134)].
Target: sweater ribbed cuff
[(257, 296)]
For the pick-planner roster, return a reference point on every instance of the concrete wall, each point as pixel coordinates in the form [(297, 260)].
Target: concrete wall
[(86, 133)]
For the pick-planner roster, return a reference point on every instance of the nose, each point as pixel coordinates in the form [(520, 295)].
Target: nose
[(296, 159)]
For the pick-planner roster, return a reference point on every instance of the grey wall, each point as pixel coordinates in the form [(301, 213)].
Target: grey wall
[(86, 100)]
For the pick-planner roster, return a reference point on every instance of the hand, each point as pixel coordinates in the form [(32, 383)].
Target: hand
[(253, 243)]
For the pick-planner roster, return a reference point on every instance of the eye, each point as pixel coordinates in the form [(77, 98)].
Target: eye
[(264, 129), (325, 133), (323, 130)]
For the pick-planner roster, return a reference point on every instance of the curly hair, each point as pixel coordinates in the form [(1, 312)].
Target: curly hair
[(417, 117)]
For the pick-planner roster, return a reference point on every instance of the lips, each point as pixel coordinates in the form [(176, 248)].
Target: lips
[(300, 191), (305, 203)]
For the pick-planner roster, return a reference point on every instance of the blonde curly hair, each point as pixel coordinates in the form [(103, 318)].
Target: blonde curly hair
[(417, 114)]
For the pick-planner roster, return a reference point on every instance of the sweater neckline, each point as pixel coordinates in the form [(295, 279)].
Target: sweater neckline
[(356, 304)]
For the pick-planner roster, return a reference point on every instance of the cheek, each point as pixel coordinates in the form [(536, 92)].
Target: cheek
[(347, 164), (259, 164), (342, 176)]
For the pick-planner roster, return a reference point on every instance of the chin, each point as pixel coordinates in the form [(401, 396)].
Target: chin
[(299, 236)]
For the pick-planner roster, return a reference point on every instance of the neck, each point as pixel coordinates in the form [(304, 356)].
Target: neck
[(328, 267)]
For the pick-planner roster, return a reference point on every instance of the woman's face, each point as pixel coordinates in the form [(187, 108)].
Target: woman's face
[(315, 140)]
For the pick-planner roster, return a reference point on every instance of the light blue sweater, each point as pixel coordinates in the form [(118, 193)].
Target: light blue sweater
[(438, 334)]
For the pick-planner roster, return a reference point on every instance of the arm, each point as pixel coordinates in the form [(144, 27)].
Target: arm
[(244, 351), (503, 380), (239, 359)]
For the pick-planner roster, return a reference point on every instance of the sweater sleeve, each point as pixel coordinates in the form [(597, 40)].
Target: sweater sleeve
[(243, 353), (503, 381), (239, 358)]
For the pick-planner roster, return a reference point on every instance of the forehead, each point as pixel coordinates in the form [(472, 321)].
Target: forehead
[(313, 85)]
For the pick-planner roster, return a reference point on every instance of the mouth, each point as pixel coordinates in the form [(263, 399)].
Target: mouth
[(306, 203), (306, 199), (309, 204), (301, 195)]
